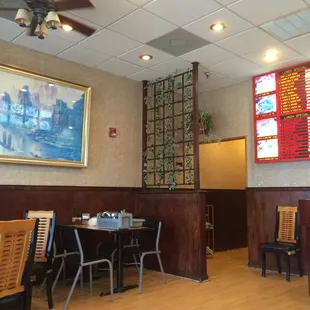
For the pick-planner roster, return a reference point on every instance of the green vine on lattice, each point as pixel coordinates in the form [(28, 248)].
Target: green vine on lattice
[(165, 154)]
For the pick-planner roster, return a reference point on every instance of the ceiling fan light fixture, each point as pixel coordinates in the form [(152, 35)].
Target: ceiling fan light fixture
[(22, 18), (52, 20), (66, 27), (41, 31)]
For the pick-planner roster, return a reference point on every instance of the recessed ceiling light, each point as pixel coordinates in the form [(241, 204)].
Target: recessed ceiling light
[(146, 57), (67, 28), (218, 27), (271, 55)]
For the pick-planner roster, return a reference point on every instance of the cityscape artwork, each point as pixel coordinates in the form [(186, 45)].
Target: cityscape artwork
[(42, 120)]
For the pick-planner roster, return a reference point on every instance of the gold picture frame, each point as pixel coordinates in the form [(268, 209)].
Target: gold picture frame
[(43, 120)]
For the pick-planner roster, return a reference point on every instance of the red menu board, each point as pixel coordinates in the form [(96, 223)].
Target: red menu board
[(282, 115)]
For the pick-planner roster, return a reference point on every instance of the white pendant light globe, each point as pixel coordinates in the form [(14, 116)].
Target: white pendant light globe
[(22, 18), (52, 20)]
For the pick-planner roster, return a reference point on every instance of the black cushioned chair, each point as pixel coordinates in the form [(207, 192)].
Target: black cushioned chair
[(287, 241)]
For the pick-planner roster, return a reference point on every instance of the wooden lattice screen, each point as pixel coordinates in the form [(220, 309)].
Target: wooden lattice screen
[(169, 139)]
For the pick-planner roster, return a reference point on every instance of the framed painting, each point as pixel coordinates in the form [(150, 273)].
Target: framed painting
[(43, 121)]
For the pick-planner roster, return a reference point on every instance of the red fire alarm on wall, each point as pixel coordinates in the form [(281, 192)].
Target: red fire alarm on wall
[(112, 132)]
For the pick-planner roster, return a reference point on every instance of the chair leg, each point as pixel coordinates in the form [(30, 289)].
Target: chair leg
[(90, 278), (72, 288), (41, 288), (111, 280), (279, 263), (112, 258), (299, 264), (81, 278), (136, 263), (288, 271), (161, 268), (58, 274), (49, 284), (141, 273), (27, 297), (263, 255)]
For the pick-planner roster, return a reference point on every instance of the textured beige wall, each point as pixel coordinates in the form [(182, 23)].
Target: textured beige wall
[(232, 111), (223, 165), (116, 102)]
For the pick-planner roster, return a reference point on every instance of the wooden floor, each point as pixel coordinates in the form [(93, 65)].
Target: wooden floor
[(232, 286)]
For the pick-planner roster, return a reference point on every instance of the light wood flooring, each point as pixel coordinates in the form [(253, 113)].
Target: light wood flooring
[(232, 286)]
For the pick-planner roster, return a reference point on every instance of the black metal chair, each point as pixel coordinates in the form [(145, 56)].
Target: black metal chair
[(147, 244), (44, 248), (287, 241), (18, 245)]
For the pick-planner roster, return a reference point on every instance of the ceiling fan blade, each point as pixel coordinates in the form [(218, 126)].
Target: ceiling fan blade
[(32, 27), (65, 5), (8, 9), (77, 26)]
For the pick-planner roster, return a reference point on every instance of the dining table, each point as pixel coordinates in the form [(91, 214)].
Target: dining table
[(120, 288)]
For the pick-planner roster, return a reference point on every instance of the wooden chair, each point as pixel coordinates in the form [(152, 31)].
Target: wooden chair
[(17, 248), (287, 240), (44, 248)]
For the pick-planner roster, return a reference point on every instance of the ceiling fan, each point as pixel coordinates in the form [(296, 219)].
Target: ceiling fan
[(41, 15)]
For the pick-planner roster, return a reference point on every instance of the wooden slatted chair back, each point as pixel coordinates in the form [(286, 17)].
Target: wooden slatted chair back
[(287, 224), (14, 247), (44, 231)]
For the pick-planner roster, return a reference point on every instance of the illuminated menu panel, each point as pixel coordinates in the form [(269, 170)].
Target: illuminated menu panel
[(282, 115)]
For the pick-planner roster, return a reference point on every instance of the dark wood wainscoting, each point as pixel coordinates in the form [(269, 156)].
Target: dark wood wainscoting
[(66, 201), (183, 234), (182, 212), (230, 219), (261, 211)]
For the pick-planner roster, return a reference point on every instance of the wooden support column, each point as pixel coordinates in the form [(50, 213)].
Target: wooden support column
[(196, 126)]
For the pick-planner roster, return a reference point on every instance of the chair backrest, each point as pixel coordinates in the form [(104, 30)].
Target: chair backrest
[(287, 224), (15, 244), (46, 229), (151, 238), (71, 241)]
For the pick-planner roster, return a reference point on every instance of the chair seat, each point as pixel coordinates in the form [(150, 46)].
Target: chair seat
[(278, 247)]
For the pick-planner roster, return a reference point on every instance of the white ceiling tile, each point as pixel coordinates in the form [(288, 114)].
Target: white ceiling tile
[(83, 55), (106, 12), (9, 30), (248, 41), (235, 24), (110, 42), (234, 67), (287, 63), (226, 2), (134, 56), (262, 11), (50, 45), (244, 76), (119, 67), (172, 66), (145, 75), (19, 4), (300, 44), (139, 2), (72, 36), (215, 81), (142, 26), (285, 53), (187, 11), (308, 1), (209, 55)]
